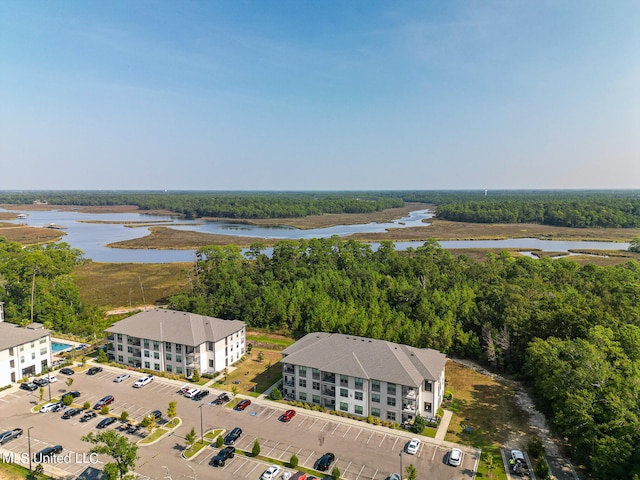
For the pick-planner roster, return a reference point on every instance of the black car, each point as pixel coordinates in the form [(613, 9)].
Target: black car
[(222, 398), (325, 462), (200, 395), (74, 394), (45, 453), (94, 370), (88, 416), (29, 386), (10, 435), (41, 382), (222, 456), (232, 436), (67, 371), (105, 422), (72, 412), (156, 414)]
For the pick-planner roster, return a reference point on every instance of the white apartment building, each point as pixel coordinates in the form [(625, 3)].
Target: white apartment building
[(176, 342), (364, 377), (24, 351)]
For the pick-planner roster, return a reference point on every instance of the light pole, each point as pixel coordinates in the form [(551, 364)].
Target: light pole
[(49, 384), (29, 440), (201, 432), (400, 454)]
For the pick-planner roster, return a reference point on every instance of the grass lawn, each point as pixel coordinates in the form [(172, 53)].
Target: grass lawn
[(488, 408), (251, 373), (156, 434), (199, 445)]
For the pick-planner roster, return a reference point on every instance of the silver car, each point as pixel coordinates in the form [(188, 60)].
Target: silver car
[(10, 435), (122, 377)]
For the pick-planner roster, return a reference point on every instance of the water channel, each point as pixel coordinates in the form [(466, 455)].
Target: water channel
[(91, 238)]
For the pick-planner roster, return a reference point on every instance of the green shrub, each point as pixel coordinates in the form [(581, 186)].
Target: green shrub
[(86, 406), (535, 447), (293, 462), (219, 441), (104, 410)]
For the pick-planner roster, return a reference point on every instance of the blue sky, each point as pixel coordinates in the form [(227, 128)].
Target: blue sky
[(319, 95)]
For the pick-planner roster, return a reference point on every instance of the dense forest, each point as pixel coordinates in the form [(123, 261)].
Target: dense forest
[(582, 209), (36, 284), (573, 331)]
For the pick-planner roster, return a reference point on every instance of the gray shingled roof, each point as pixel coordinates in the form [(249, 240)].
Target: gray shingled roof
[(366, 358), (176, 327), (12, 335)]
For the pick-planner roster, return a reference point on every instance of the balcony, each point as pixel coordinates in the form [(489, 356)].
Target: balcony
[(133, 341), (288, 369), (329, 378), (410, 393), (290, 383), (409, 408), (329, 391), (330, 404)]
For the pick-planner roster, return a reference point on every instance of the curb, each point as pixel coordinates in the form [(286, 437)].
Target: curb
[(170, 430)]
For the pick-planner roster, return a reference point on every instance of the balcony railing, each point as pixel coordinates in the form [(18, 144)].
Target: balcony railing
[(288, 369), (409, 409), (330, 392), (409, 393), (329, 378), (290, 384)]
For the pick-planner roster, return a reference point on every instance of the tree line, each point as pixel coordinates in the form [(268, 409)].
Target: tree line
[(573, 331)]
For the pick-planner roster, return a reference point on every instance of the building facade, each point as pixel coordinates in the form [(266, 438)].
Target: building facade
[(364, 377), (24, 351), (176, 342)]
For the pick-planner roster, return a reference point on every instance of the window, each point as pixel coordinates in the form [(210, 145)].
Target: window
[(178, 348), (391, 401), (22, 359), (179, 358), (147, 354), (391, 416), (302, 382), (43, 351), (169, 368), (147, 365), (156, 345), (33, 344), (344, 406), (210, 346), (146, 344), (315, 385), (357, 409), (43, 340), (120, 359), (12, 363), (427, 386), (130, 360), (358, 396), (33, 355), (119, 337), (22, 348), (344, 380), (375, 385), (302, 396), (315, 374), (359, 383), (375, 412), (167, 346), (210, 363), (10, 350), (156, 355), (156, 366), (315, 398), (167, 356), (391, 388), (179, 370), (427, 406), (375, 397), (130, 349), (119, 347), (344, 392), (302, 371)]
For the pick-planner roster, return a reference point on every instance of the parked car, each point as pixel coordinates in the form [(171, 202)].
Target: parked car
[(288, 415), (455, 457), (222, 399), (242, 405), (325, 462), (108, 400), (270, 473), (222, 456), (88, 416), (200, 395), (29, 386), (72, 412), (413, 446), (191, 392), (94, 370), (232, 436), (105, 422), (10, 435), (184, 389), (58, 407), (141, 382), (74, 394), (67, 371), (52, 379), (48, 407), (393, 476), (517, 456), (122, 377), (47, 453), (156, 414), (41, 382)]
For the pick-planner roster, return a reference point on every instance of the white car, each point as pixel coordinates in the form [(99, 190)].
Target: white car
[(122, 377), (53, 379), (455, 457), (270, 473), (48, 407), (141, 382), (191, 392), (413, 446)]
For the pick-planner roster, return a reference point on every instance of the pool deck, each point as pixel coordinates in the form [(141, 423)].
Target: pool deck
[(71, 343)]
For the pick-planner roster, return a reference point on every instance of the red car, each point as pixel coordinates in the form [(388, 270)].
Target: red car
[(243, 404), (104, 401), (288, 415)]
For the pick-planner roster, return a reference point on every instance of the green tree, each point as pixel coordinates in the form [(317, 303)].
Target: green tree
[(275, 394), (172, 411), (634, 245), (234, 390), (411, 472), (190, 438), (255, 451), (419, 424), (196, 375), (118, 447), (260, 356), (335, 473), (67, 400), (69, 382), (124, 416), (219, 441), (102, 356), (148, 422), (293, 461), (104, 410), (41, 390), (86, 406)]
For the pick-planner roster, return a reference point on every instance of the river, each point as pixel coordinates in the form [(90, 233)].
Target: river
[(91, 238)]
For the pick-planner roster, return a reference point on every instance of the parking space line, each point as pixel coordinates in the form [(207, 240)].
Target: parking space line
[(394, 444), (240, 466), (357, 435), (384, 436), (374, 475), (372, 434), (312, 453), (272, 449), (360, 472), (334, 430), (251, 471), (345, 433), (284, 451), (345, 470), (324, 426)]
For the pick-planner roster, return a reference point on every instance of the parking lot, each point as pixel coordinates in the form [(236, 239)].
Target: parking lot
[(362, 452)]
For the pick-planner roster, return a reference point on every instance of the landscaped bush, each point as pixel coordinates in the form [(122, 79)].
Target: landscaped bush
[(535, 447)]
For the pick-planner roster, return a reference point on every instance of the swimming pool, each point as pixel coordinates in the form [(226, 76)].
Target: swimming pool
[(58, 347)]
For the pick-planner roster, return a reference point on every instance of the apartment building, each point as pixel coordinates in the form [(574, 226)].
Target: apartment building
[(176, 342), (24, 351), (364, 376)]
